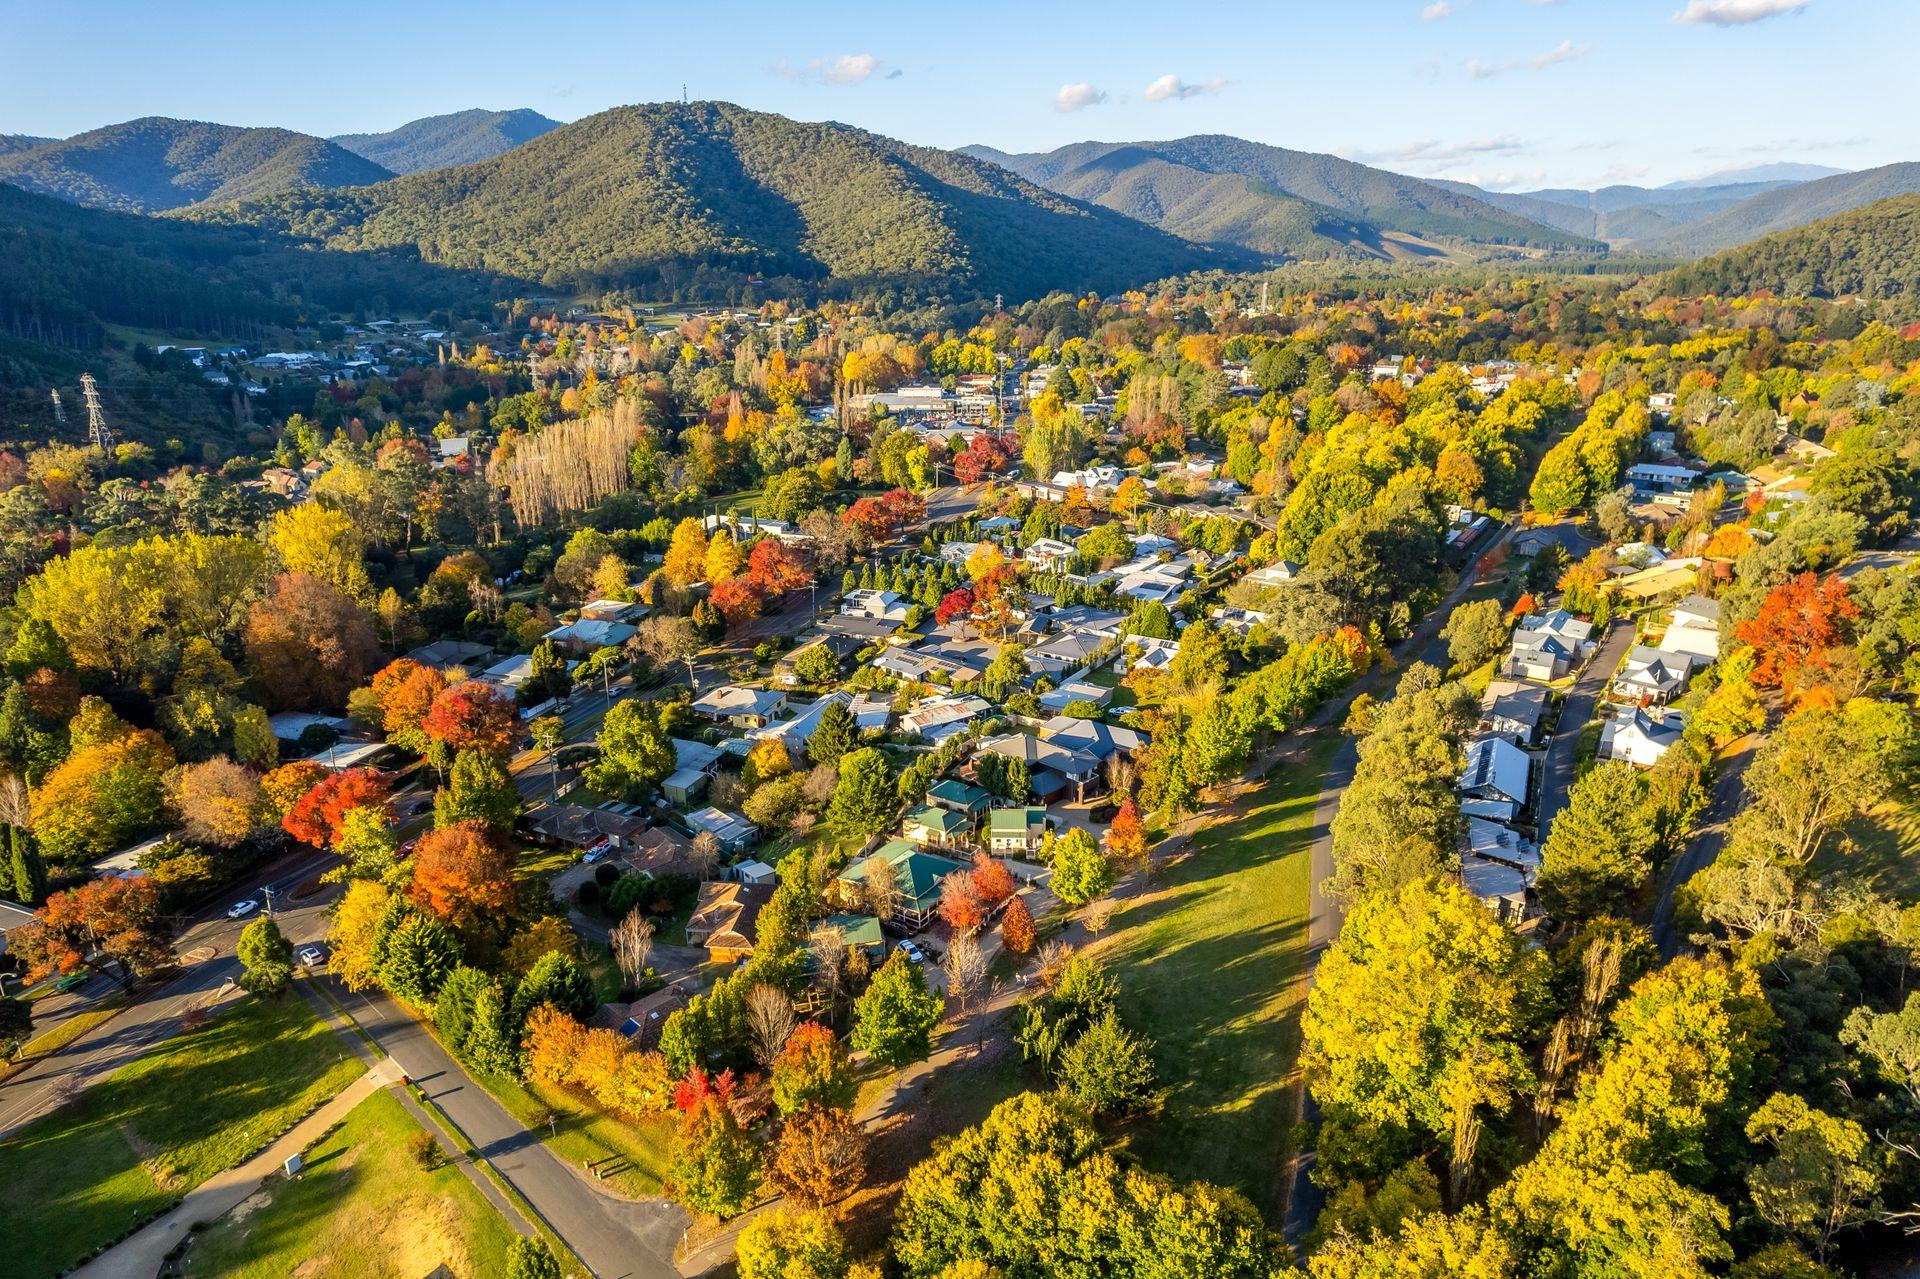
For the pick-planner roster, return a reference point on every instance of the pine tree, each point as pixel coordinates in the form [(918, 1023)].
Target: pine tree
[(833, 737), (894, 1019), (29, 871), (487, 1049)]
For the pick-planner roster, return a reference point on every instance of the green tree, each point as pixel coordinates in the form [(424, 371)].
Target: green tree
[(488, 1048), (893, 1019), (1600, 849), (453, 1009), (816, 665), (478, 789), (636, 751), (715, 1169), (29, 871), (556, 979), (1824, 1175), (418, 956), (1081, 871), (368, 842), (1891, 1041), (863, 801), (16, 1025), (1108, 1069), (833, 736), (530, 1258), (1475, 634), (267, 956)]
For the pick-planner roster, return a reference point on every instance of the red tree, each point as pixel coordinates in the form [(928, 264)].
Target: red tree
[(1521, 607), (1800, 621), (777, 567), (869, 519), (405, 691), (990, 880), (902, 507), (1017, 932), (316, 816), (986, 455), (1126, 837), (463, 875), (955, 603), (112, 919), (471, 716), (698, 1086), (962, 910), (739, 599)]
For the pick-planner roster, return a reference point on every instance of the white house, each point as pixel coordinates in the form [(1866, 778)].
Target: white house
[(1652, 676), (1695, 628), (740, 706), (1640, 737), (1049, 555), (1512, 709), (1278, 573), (1539, 655), (883, 606)]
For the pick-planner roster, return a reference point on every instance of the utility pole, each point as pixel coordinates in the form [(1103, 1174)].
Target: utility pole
[(59, 409), (97, 429)]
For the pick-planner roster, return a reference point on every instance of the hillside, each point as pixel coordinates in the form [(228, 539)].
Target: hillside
[(11, 142), (659, 197), (1786, 208), (1619, 215), (1873, 252), (155, 164), (1230, 192), (442, 141)]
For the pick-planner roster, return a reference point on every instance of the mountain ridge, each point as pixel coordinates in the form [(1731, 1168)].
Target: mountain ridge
[(1871, 251), (444, 141)]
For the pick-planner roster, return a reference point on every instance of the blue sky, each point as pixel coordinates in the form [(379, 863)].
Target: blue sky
[(1511, 93)]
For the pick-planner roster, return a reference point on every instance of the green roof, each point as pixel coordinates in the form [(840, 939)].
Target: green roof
[(955, 791), (920, 871), (858, 930), (944, 820), (1015, 821)]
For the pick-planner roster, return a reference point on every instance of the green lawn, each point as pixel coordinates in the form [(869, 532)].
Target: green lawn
[(582, 1130), (197, 1104), (1883, 850), (362, 1209), (1211, 960)]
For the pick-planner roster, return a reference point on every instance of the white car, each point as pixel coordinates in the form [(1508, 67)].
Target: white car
[(312, 957), (913, 953), (240, 910)]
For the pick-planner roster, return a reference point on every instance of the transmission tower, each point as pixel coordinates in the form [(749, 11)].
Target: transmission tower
[(97, 429), (59, 409)]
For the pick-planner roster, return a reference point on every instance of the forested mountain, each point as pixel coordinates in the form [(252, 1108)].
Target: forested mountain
[(655, 197), (442, 141), (1230, 192), (1782, 171), (11, 142), (1786, 208), (1620, 215), (153, 164), (1873, 251)]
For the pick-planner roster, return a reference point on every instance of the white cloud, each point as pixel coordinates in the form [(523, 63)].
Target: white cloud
[(847, 68), (1613, 175), (1075, 97), (1505, 181), (1437, 10), (1734, 13), (1432, 150), (1169, 87), (1565, 51)]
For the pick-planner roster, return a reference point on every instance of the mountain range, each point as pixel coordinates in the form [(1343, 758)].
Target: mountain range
[(1234, 194), (1872, 251), (155, 164), (443, 141)]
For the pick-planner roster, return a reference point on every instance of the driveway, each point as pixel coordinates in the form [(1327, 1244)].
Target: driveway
[(1576, 709), (615, 1238), (1707, 841)]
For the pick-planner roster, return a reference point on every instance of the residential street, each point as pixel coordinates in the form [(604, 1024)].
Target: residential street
[(1707, 841), (1563, 749), (206, 949), (614, 1237)]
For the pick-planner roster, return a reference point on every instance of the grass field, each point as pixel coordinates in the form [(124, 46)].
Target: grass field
[(197, 1104), (581, 1130), (362, 1209), (1210, 960)]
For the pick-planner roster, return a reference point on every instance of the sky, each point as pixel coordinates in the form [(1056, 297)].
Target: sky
[(1511, 94)]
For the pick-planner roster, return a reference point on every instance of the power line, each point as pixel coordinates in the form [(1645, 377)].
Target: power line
[(59, 409), (97, 429)]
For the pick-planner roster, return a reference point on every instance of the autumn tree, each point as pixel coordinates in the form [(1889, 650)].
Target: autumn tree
[(1017, 932), (1127, 836), (318, 817), (309, 643), (715, 1166), (113, 921), (820, 1158), (356, 933), (473, 716), (813, 1069), (463, 875), (323, 543), (103, 794), (401, 694), (1799, 624), (218, 801)]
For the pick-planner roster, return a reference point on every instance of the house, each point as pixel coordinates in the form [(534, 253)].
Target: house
[(1539, 655), (1239, 621), (642, 1020), (1500, 887), (867, 630), (999, 525), (1640, 737), (582, 827), (1016, 831), (1512, 710), (916, 879), (1093, 737), (935, 719), (1498, 843), (871, 714), (12, 916), (1152, 586), (658, 851), (612, 611), (693, 766), (1051, 767), (1694, 629), (1498, 773), (1278, 573), (1652, 676), (880, 606), (1563, 626), (1049, 555), (740, 705), (1658, 579), (753, 871), (1057, 700), (796, 732), (1060, 654), (837, 647), (956, 796), (932, 827), (724, 917), (733, 831), (1137, 651), (581, 637), (446, 654), (859, 932), (1654, 480)]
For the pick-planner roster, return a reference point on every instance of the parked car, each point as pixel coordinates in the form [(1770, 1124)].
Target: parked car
[(913, 952), (312, 957), (240, 910)]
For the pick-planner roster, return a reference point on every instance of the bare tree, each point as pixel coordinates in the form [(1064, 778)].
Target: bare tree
[(633, 945), (666, 640), (828, 946), (770, 1019), (880, 893), (706, 854), (966, 969), (569, 466), (15, 810), (1099, 915), (1053, 957), (1120, 774)]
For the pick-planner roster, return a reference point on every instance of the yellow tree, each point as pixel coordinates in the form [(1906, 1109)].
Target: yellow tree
[(723, 560), (687, 554), (323, 543), (355, 934), (986, 558)]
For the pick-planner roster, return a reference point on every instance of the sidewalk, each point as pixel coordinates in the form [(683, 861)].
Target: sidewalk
[(140, 1256)]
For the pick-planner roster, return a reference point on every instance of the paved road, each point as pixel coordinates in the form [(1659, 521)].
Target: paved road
[(1324, 915), (617, 1239), (1708, 840), (206, 949), (1563, 749)]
